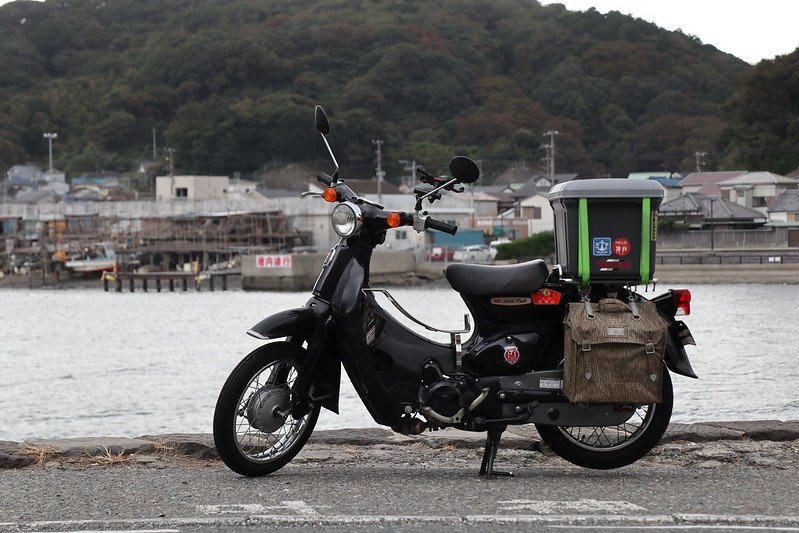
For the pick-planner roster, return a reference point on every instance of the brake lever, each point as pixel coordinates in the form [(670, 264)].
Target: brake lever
[(310, 193)]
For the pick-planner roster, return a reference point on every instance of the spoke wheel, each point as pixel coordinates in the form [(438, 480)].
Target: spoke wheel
[(253, 432), (604, 447)]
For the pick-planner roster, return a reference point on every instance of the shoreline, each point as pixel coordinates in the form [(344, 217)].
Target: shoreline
[(717, 441), (666, 274)]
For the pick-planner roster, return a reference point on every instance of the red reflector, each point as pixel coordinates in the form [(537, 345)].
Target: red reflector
[(546, 297), (682, 299)]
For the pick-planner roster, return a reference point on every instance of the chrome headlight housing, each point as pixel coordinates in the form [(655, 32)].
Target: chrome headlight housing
[(347, 219)]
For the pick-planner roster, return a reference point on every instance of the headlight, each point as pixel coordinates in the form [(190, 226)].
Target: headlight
[(347, 219)]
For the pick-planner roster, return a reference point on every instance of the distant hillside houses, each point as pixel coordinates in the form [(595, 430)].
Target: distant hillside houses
[(514, 205)]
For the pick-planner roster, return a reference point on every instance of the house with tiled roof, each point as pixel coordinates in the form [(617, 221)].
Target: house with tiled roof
[(670, 182), (699, 210), (785, 207), (707, 182), (756, 190)]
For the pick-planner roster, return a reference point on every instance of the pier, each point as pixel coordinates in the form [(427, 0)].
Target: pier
[(165, 280)]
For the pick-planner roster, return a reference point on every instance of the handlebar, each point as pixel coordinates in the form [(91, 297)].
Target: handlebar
[(431, 223), (325, 178)]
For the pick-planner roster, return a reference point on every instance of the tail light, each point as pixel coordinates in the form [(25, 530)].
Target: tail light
[(682, 299)]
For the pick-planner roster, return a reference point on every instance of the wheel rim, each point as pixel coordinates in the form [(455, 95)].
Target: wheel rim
[(268, 389), (611, 438)]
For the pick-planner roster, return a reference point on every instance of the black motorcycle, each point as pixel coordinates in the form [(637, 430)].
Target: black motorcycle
[(508, 372)]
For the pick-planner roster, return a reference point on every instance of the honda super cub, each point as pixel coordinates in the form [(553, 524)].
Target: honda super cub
[(509, 371)]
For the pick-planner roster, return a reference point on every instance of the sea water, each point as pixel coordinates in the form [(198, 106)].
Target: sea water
[(88, 363)]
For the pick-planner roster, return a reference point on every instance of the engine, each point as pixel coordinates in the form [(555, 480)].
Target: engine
[(446, 399)]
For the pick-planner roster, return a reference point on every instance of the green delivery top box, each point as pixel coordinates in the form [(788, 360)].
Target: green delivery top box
[(606, 229)]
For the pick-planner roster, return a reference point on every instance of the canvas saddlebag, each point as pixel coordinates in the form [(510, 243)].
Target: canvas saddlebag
[(613, 352)]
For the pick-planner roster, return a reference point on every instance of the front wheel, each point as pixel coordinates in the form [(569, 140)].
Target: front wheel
[(605, 447), (253, 433)]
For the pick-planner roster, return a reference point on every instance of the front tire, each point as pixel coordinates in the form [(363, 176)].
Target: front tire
[(251, 432), (606, 447)]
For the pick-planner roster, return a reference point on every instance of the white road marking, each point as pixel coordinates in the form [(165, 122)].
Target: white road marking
[(236, 508), (640, 521), (686, 527), (297, 506), (118, 531), (575, 506), (300, 507)]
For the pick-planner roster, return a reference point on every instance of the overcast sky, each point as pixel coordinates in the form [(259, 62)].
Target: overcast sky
[(749, 29)]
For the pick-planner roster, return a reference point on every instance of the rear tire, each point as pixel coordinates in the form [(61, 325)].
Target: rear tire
[(606, 447), (251, 437)]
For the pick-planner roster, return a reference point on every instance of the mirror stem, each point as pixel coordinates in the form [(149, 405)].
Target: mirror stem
[(329, 150), (430, 193)]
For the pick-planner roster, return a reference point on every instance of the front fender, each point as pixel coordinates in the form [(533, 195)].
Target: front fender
[(292, 322), (299, 323)]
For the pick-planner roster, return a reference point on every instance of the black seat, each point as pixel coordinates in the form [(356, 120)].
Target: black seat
[(500, 280)]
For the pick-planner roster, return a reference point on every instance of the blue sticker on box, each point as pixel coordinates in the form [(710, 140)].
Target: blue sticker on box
[(601, 246)]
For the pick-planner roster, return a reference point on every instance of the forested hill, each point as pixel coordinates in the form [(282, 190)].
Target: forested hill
[(230, 84)]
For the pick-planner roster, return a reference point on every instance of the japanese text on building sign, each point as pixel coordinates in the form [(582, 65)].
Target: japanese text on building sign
[(273, 261)]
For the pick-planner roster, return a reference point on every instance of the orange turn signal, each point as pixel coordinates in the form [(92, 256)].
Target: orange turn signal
[(393, 220), (330, 194)]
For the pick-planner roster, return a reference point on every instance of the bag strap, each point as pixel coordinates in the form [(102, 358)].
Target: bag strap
[(583, 248), (646, 236)]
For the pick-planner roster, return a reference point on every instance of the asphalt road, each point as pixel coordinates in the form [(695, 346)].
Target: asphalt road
[(404, 488)]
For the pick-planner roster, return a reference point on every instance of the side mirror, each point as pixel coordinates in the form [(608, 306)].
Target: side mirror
[(322, 125), (464, 169)]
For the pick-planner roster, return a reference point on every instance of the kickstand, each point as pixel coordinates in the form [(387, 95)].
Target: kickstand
[(490, 453)]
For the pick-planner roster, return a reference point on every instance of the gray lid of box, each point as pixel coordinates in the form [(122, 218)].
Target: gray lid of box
[(606, 188)]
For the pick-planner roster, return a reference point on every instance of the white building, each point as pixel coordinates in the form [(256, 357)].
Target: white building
[(182, 188), (756, 190), (539, 214)]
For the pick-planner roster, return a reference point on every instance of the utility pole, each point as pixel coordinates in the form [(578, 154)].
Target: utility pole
[(170, 155), (379, 168), (50, 136), (700, 160), (155, 153), (410, 166), (551, 153)]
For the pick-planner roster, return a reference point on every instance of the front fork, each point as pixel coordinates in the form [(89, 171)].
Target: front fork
[(303, 393)]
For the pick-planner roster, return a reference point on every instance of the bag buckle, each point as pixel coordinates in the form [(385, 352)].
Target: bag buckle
[(650, 348), (589, 309), (586, 346)]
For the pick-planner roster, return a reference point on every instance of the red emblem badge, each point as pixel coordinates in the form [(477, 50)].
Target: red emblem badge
[(621, 247), (511, 354), (546, 297)]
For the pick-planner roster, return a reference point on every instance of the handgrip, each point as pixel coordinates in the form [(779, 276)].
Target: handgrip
[(431, 223), (325, 178)]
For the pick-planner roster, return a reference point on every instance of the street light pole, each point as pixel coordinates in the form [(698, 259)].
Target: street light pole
[(50, 136), (712, 199)]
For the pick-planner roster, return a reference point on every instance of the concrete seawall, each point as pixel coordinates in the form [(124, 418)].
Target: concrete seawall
[(399, 268), (747, 441)]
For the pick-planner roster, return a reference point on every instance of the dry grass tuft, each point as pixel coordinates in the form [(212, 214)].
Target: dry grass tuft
[(164, 447), (107, 457), (41, 453)]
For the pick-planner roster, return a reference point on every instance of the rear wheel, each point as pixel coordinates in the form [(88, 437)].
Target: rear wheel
[(253, 433), (604, 447)]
